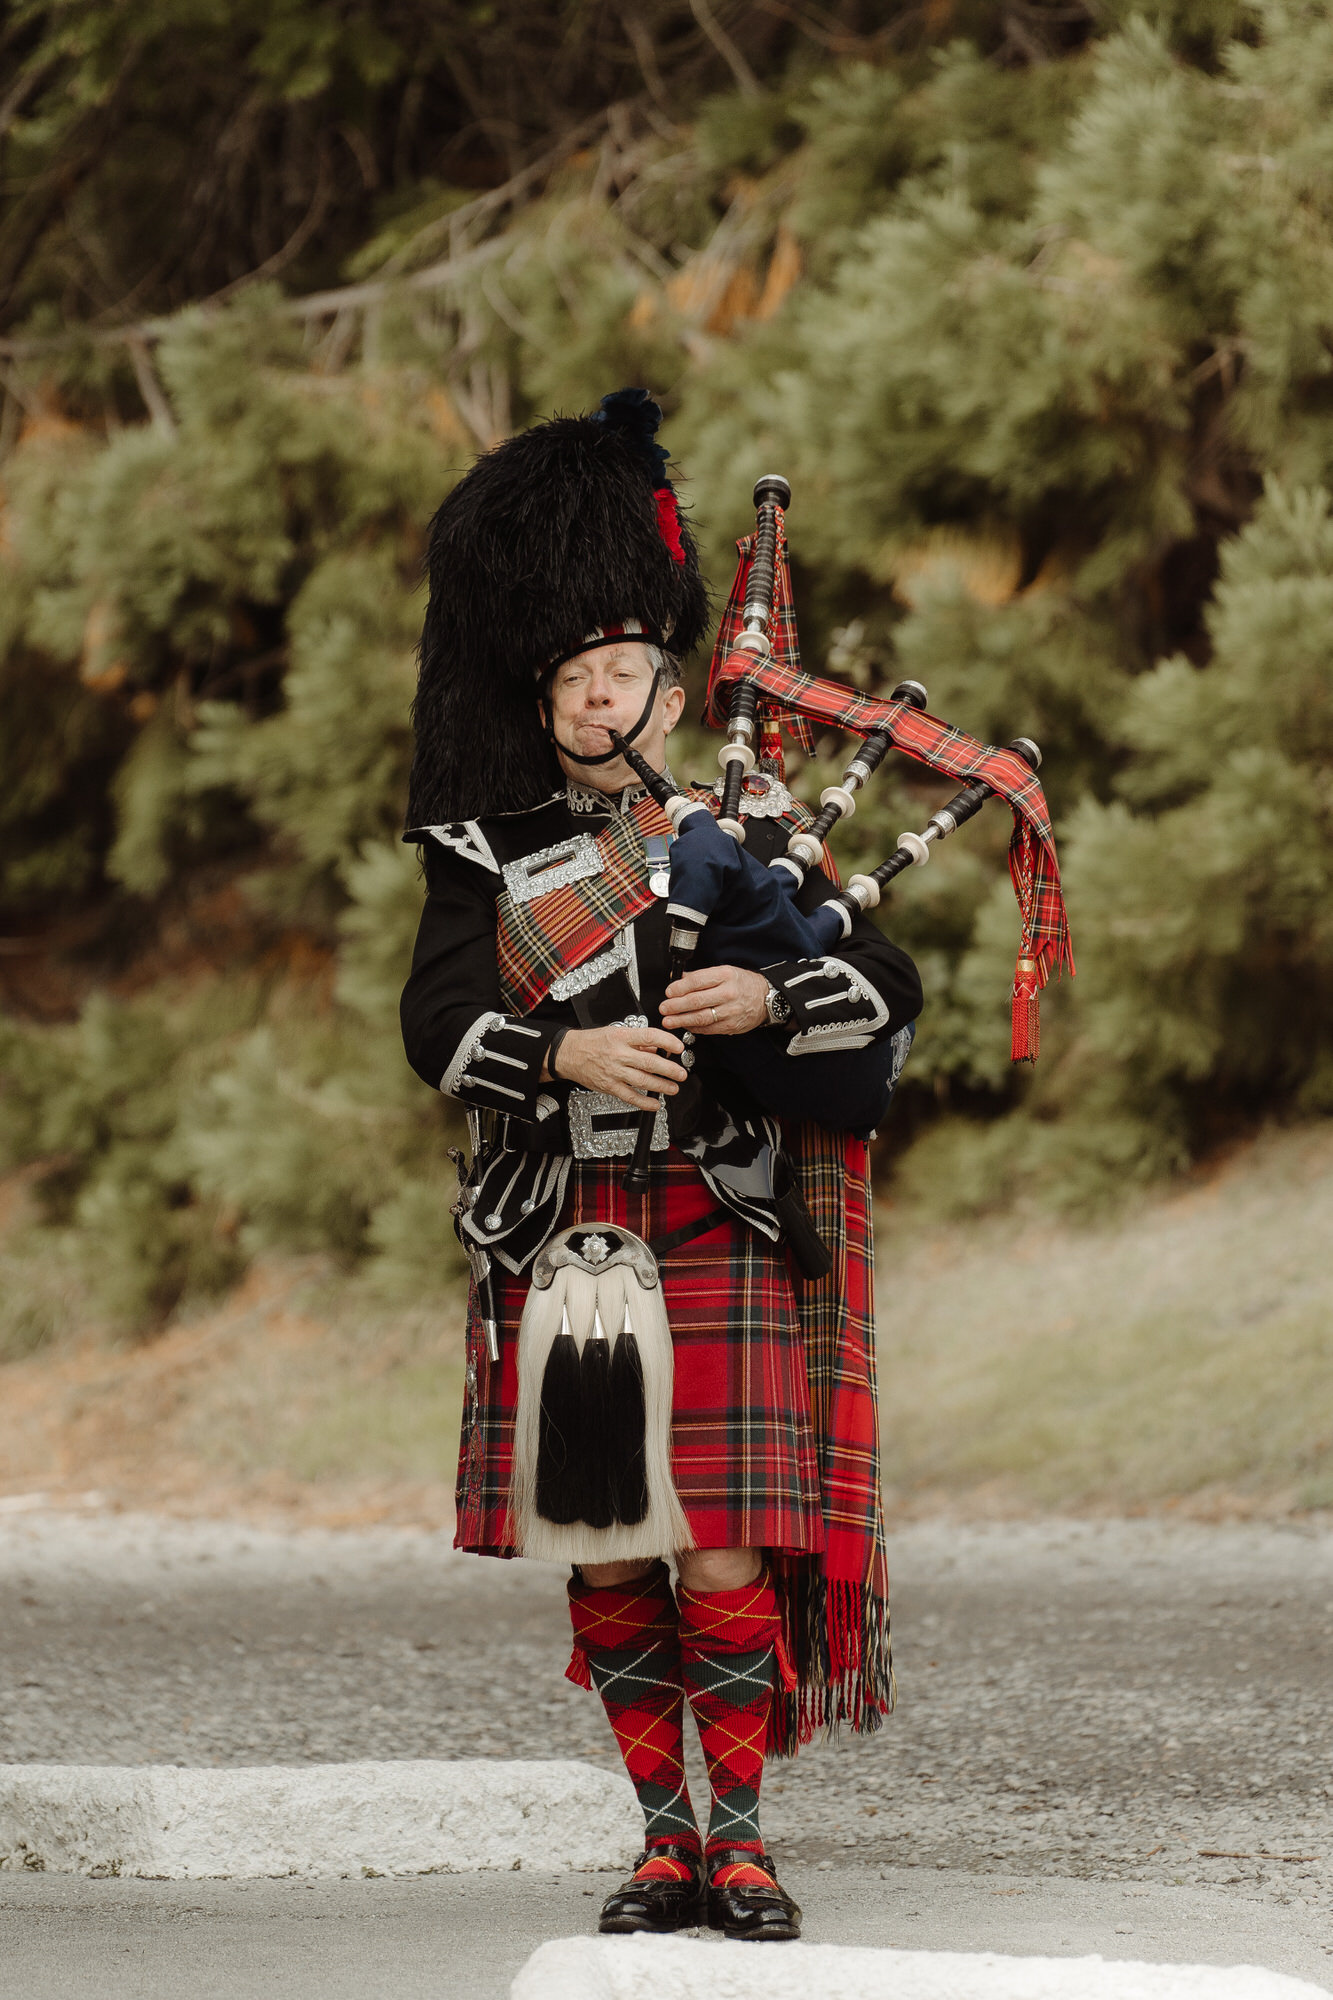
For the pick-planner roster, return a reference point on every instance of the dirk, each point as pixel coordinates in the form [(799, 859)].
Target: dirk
[(480, 1261)]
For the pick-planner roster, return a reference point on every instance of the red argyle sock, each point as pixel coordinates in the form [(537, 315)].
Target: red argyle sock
[(630, 1638), (728, 1649)]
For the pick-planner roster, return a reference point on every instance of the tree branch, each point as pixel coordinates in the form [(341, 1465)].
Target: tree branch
[(159, 409), (747, 81), (321, 305)]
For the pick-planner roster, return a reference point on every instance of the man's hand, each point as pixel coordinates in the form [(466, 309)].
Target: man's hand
[(628, 1063), (716, 1000)]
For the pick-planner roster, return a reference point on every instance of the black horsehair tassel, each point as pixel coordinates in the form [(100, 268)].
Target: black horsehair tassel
[(595, 1374), (629, 1484), (560, 1454)]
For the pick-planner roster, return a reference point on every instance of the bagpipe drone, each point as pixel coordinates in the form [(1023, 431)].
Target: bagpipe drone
[(725, 907)]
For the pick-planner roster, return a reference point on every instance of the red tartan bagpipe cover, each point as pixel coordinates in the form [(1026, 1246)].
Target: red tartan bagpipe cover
[(798, 698)]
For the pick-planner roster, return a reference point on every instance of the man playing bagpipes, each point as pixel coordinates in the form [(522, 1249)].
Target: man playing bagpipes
[(679, 1371)]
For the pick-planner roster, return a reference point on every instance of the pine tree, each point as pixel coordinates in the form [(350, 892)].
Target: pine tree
[(1043, 346)]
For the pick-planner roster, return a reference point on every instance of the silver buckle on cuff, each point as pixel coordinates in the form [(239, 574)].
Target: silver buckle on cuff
[(602, 1127)]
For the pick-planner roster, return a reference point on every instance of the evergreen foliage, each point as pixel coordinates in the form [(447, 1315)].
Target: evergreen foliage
[(1035, 317)]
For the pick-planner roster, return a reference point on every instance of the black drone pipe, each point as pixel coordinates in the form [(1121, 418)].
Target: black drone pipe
[(681, 942), (863, 892), (771, 493), (839, 801)]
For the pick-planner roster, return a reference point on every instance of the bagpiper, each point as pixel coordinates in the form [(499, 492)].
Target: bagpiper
[(664, 1380)]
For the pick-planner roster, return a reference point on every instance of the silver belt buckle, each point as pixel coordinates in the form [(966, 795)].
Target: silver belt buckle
[(602, 1127)]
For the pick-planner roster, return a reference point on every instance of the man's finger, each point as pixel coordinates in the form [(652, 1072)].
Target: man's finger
[(657, 1040), (644, 1075), (630, 1093), (708, 979), (653, 1082)]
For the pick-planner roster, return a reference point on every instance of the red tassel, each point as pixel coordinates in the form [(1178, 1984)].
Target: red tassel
[(1026, 1044), (668, 522), (577, 1670)]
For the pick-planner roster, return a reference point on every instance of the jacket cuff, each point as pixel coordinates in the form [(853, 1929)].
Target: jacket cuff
[(832, 1005), (498, 1064)]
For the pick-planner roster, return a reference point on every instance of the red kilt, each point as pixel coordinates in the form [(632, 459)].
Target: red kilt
[(743, 1449)]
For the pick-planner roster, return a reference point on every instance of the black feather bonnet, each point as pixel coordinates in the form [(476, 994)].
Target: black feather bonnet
[(561, 532)]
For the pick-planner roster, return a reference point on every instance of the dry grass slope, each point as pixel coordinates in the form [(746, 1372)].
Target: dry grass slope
[(1182, 1356)]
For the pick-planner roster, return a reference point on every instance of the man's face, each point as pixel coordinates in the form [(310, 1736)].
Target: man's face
[(603, 690)]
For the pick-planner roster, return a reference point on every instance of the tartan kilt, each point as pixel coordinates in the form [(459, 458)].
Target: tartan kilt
[(742, 1442)]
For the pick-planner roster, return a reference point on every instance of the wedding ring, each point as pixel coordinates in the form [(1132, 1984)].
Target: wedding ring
[(714, 1012)]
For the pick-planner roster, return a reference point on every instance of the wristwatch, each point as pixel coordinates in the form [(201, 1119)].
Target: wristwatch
[(777, 1007)]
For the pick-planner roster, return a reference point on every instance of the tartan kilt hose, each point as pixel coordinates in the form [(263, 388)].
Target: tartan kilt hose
[(742, 1443)]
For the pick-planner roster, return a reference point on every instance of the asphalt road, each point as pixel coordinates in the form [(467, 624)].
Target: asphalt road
[(1111, 1736)]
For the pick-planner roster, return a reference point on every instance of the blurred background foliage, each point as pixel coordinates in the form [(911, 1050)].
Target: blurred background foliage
[(1030, 299)]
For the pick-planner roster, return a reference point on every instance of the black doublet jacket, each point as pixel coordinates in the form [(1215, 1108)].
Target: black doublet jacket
[(460, 1039)]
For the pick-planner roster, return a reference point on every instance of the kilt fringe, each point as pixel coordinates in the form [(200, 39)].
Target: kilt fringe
[(838, 1636), (836, 1605)]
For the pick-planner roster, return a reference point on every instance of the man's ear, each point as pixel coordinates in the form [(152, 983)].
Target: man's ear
[(673, 704)]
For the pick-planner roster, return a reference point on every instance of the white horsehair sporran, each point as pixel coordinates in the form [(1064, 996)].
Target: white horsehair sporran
[(592, 1434)]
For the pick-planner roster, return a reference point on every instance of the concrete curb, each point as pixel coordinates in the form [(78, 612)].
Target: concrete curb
[(314, 1819), (677, 1968)]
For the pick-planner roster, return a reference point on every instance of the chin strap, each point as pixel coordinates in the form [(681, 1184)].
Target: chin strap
[(627, 736)]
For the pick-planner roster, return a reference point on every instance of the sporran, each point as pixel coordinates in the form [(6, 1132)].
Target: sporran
[(592, 1475)]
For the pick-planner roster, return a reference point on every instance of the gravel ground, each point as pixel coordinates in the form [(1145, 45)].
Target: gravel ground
[(1130, 1701)]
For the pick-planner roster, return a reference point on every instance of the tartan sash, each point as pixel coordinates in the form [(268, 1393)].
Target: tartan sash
[(557, 932), (1034, 870)]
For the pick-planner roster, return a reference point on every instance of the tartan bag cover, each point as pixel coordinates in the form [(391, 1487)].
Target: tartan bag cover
[(1034, 869)]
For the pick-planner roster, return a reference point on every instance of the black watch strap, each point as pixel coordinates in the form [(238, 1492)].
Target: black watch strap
[(553, 1049)]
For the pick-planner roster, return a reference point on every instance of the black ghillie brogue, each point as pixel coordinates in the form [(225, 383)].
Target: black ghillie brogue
[(750, 1910), (658, 1903)]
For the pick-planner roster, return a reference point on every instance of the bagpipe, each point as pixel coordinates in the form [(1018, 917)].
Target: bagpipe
[(726, 908)]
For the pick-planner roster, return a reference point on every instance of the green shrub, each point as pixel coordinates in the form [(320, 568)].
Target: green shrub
[(1029, 339)]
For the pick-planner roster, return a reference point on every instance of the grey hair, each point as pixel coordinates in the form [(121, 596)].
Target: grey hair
[(667, 665)]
